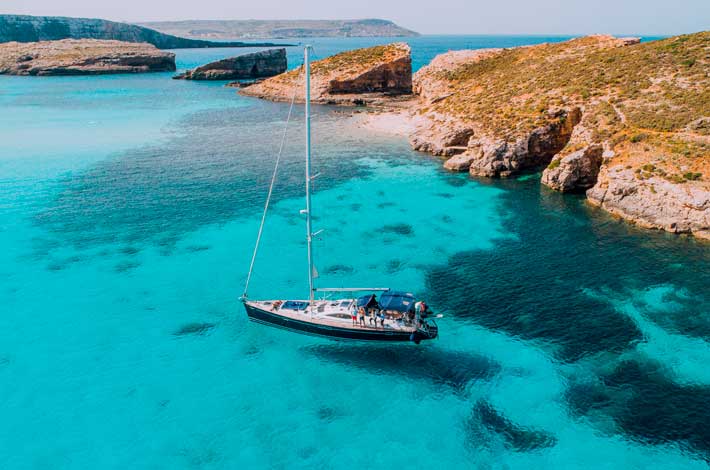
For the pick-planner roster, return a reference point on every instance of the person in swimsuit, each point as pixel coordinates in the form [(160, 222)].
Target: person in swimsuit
[(361, 315)]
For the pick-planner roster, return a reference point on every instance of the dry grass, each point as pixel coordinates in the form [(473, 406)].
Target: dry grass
[(642, 99)]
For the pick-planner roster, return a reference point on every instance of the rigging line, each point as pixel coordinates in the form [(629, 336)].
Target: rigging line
[(271, 190)]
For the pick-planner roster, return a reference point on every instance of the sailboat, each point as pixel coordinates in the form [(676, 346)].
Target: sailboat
[(395, 316)]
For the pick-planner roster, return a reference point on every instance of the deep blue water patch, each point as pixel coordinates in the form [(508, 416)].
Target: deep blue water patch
[(647, 405), (533, 287), (515, 437)]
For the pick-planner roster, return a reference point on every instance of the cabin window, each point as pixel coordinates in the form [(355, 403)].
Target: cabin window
[(294, 305)]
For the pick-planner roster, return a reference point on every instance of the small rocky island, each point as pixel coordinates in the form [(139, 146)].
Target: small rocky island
[(82, 57), (624, 122), (256, 65), (361, 76)]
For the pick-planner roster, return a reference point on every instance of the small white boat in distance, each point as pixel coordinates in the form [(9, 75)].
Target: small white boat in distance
[(394, 317)]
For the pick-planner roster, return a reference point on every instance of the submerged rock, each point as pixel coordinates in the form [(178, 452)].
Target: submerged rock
[(515, 437), (356, 77), (82, 57), (194, 329), (256, 65)]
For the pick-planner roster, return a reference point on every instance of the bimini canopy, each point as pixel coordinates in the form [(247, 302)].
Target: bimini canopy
[(397, 301), (367, 301)]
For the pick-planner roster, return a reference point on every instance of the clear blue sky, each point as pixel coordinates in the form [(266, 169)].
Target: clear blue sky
[(426, 16)]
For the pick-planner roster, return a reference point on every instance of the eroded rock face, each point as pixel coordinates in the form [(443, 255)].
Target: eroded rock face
[(361, 76), (500, 158), (575, 172), (82, 57), (653, 202), (256, 65)]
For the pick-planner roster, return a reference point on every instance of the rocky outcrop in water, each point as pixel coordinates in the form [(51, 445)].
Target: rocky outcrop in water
[(355, 77), (256, 65), (653, 202), (82, 57), (25, 28)]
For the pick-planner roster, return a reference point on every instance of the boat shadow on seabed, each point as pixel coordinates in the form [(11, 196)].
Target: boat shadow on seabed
[(452, 369)]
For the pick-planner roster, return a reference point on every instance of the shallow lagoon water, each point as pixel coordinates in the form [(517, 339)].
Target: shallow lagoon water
[(129, 209)]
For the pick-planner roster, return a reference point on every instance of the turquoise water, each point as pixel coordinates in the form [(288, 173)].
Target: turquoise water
[(130, 204)]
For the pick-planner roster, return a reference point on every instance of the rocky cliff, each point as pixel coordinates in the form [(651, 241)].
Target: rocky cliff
[(24, 28), (355, 77), (256, 65), (82, 57), (627, 122)]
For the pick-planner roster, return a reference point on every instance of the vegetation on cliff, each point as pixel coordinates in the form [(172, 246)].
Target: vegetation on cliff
[(627, 122), (645, 101), (367, 72)]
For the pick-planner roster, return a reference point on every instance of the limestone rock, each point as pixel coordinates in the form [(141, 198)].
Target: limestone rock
[(574, 172), (441, 136), (361, 76), (82, 57), (461, 162), (532, 151), (653, 202), (256, 65)]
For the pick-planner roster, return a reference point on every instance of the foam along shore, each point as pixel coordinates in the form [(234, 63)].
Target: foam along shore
[(82, 57)]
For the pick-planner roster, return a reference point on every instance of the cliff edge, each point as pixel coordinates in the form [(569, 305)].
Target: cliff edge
[(26, 28), (82, 57), (359, 76), (626, 122), (256, 65)]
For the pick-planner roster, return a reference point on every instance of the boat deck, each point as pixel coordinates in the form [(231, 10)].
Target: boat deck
[(334, 313)]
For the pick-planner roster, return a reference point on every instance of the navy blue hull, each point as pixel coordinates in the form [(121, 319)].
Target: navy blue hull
[(269, 318)]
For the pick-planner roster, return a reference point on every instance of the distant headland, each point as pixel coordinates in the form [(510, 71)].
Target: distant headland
[(24, 28), (281, 29)]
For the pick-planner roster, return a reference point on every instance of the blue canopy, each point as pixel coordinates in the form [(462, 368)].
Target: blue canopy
[(398, 301), (367, 301)]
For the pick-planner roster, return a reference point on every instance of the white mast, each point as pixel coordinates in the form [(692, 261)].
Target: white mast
[(309, 230)]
